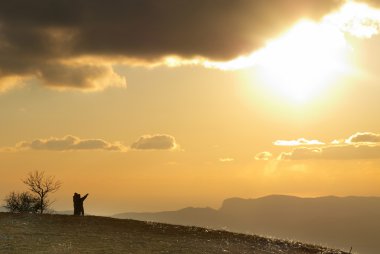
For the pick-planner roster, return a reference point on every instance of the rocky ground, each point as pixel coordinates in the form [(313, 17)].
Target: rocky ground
[(28, 233)]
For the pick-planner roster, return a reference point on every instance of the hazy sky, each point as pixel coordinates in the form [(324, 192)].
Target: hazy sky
[(157, 105)]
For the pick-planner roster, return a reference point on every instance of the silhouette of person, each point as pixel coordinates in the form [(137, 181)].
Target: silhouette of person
[(78, 203)]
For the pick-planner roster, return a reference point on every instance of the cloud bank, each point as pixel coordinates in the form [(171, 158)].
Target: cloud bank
[(342, 152), (360, 146), (73, 44), (73, 143), (70, 143)]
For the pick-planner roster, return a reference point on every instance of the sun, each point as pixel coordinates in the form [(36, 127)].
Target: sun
[(304, 62)]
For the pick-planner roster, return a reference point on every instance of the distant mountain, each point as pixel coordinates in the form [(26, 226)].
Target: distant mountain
[(338, 222)]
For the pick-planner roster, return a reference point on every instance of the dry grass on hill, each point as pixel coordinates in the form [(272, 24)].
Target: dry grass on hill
[(28, 233)]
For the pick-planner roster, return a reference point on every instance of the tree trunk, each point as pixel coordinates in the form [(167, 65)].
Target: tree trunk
[(41, 205)]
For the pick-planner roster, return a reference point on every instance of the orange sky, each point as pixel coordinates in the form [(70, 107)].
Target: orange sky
[(147, 132)]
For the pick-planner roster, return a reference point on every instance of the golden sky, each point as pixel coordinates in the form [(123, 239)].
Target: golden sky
[(151, 106)]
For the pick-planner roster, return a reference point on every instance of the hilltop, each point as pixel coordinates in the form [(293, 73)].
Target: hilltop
[(28, 233)]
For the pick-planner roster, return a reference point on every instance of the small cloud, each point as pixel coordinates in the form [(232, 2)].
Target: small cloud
[(336, 142), (263, 156), (226, 159), (363, 137), (298, 142), (155, 142), (67, 143)]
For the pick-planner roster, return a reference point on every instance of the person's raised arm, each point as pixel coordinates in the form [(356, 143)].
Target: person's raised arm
[(84, 197)]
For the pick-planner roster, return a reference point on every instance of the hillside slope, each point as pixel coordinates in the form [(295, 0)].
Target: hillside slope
[(26, 233), (331, 221)]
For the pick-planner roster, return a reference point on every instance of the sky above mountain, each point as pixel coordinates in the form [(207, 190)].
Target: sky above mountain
[(157, 105)]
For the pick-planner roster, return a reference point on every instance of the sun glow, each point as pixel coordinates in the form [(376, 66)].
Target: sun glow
[(310, 57), (302, 63)]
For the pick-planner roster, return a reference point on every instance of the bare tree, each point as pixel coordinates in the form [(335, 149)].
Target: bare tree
[(42, 186)]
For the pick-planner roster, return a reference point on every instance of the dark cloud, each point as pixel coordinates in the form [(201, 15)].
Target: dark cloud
[(38, 38), (69, 143), (86, 77), (155, 142)]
